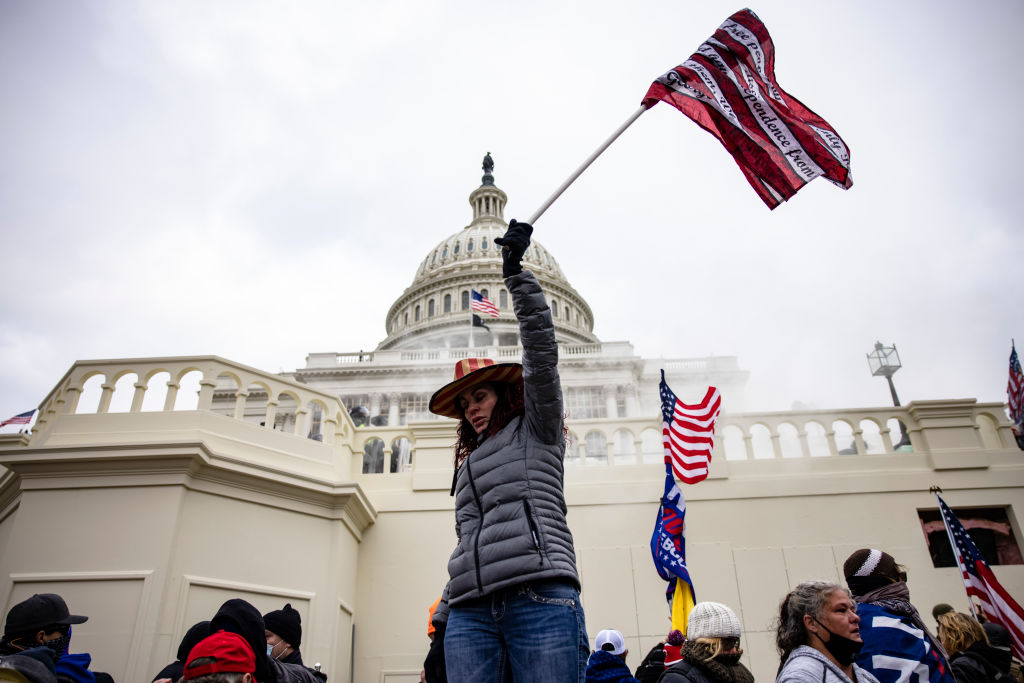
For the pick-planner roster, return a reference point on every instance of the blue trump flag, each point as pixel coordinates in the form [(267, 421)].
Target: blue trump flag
[(668, 548)]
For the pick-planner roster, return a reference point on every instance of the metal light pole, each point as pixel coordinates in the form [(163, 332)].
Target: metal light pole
[(885, 361)]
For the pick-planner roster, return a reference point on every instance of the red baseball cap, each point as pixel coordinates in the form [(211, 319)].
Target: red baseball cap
[(230, 653)]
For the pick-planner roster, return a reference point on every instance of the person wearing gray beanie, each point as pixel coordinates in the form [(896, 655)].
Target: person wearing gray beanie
[(711, 652)]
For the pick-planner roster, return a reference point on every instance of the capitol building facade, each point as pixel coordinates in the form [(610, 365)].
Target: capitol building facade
[(150, 490)]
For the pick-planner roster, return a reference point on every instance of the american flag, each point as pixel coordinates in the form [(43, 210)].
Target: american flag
[(688, 433), (484, 305), (981, 583), (1015, 391), (21, 419), (728, 88)]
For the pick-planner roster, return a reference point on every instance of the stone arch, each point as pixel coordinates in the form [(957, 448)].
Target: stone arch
[(789, 441), (596, 444), (124, 391), (761, 441), (401, 454), (624, 447), (733, 443), (188, 389), (845, 443), (572, 448), (316, 413), (156, 390), (373, 456), (817, 439), (92, 389), (652, 448), (871, 433), (286, 411)]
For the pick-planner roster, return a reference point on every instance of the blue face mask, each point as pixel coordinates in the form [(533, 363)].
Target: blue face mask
[(270, 650)]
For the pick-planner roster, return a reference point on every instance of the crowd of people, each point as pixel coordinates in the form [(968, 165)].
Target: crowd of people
[(238, 645), (866, 631)]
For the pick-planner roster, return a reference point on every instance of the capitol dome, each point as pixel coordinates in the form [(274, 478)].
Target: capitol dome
[(434, 311)]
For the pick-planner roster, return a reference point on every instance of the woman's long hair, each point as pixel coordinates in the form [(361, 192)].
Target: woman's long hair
[(958, 631), (810, 597), (509, 404)]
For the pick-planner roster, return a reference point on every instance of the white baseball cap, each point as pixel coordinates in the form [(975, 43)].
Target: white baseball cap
[(610, 640)]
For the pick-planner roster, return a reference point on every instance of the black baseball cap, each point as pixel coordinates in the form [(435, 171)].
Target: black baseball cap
[(42, 609)]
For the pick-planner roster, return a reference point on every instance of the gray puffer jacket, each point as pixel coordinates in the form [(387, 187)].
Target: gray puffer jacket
[(509, 504)]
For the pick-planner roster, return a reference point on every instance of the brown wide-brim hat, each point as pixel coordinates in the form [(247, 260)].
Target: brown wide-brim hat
[(468, 373)]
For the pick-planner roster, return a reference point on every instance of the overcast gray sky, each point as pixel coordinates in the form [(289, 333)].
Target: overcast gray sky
[(260, 180)]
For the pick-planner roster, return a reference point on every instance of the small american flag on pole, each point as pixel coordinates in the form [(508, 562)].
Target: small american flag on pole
[(483, 305), (981, 583), (728, 88), (688, 433), (20, 419), (1015, 391)]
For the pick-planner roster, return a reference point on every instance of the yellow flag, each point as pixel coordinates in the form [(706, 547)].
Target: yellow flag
[(682, 603)]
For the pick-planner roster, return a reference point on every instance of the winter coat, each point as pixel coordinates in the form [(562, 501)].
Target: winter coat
[(509, 502), (604, 667), (893, 644), (980, 663), (698, 666), (807, 665), (292, 673)]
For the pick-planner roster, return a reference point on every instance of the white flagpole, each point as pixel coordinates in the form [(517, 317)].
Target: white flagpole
[(579, 171), (956, 554)]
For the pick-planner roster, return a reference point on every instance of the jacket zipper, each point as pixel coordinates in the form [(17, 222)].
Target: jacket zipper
[(476, 536), (533, 530)]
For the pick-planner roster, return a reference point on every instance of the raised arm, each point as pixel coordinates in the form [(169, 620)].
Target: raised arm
[(542, 389)]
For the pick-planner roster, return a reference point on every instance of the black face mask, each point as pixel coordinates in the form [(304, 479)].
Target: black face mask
[(843, 649)]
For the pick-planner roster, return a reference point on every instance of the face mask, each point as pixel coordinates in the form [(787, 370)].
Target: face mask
[(59, 645), (845, 650), (270, 651)]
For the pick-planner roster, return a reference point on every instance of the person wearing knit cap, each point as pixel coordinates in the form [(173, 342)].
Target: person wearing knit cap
[(711, 652), (890, 626), (238, 616), (607, 663), (284, 634)]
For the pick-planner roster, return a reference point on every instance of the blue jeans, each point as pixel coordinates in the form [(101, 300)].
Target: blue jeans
[(531, 633)]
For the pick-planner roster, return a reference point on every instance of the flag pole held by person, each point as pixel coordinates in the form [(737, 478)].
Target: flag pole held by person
[(728, 88)]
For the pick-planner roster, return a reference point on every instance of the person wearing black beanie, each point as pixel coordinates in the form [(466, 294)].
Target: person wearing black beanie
[(284, 634), (238, 616)]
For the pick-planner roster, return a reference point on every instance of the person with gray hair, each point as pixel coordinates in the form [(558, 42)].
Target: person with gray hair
[(818, 636)]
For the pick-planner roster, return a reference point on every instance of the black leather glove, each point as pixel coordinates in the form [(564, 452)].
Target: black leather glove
[(513, 246)]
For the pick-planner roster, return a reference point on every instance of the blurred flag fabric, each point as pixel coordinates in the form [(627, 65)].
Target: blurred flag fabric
[(1015, 396), (996, 604), (479, 322), (483, 305), (728, 88), (20, 419), (687, 433), (668, 548)]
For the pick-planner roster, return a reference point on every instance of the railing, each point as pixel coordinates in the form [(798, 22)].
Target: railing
[(125, 384)]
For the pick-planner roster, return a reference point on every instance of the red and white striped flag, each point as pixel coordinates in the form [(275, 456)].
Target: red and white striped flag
[(728, 88), (688, 433), (996, 604)]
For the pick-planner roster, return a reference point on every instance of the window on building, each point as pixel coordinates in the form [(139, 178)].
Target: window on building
[(447, 303), (433, 258), (401, 455), (416, 315), (554, 308), (597, 447), (430, 308), (484, 294), (584, 403), (989, 529), (469, 245), (456, 249), (444, 252), (465, 301), (413, 407), (503, 299), (405, 318), (483, 244)]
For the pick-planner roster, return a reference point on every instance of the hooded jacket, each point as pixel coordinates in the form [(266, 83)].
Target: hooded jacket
[(604, 667), (807, 665), (980, 663), (509, 502), (238, 616)]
